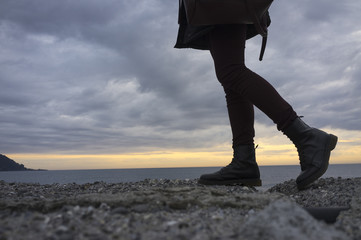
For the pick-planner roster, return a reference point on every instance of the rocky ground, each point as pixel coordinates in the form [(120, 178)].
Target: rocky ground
[(177, 209)]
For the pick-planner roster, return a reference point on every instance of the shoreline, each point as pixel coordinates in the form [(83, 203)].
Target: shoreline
[(177, 209)]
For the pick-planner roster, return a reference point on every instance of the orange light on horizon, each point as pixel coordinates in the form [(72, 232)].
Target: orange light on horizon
[(273, 150), (281, 155)]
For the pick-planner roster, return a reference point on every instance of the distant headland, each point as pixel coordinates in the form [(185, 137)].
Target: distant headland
[(7, 164)]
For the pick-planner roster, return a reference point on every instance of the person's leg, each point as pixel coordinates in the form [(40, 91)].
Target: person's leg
[(227, 48), (244, 87), (241, 117), (243, 169)]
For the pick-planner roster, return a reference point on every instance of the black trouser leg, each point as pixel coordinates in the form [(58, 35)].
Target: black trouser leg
[(244, 87)]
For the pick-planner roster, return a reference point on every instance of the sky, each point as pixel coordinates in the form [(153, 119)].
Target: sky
[(91, 84)]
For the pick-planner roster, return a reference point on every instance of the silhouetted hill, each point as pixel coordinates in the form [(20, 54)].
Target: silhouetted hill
[(7, 164)]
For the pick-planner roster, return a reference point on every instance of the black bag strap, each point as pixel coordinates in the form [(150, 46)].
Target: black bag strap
[(263, 48), (262, 30)]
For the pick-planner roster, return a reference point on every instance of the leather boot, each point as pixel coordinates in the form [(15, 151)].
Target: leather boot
[(242, 170), (314, 148)]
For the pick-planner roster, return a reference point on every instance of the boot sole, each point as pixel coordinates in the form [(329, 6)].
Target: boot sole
[(329, 147), (244, 182)]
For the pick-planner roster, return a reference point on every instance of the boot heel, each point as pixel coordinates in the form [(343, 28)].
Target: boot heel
[(333, 142)]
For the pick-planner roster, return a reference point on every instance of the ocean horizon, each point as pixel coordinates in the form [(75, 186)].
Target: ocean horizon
[(270, 175)]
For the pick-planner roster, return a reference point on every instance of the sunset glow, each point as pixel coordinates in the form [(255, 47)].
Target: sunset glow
[(348, 151)]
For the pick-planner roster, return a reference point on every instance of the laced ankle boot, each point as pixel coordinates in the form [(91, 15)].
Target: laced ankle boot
[(314, 148), (242, 170)]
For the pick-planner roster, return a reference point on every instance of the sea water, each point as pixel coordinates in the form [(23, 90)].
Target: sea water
[(270, 175)]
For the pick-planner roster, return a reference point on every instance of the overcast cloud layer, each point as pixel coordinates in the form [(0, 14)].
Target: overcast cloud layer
[(91, 76)]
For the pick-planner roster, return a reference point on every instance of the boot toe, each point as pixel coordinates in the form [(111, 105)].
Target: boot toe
[(309, 176), (218, 179), (210, 179), (211, 176)]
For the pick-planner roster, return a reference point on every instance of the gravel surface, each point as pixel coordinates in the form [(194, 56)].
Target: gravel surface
[(176, 209)]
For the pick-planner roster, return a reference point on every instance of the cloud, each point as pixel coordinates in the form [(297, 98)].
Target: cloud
[(103, 77)]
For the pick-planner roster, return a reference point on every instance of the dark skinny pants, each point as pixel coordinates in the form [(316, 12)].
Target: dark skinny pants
[(244, 88)]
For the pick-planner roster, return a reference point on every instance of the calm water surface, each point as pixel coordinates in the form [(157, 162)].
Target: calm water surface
[(270, 175)]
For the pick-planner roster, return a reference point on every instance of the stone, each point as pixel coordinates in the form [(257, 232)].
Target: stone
[(284, 220)]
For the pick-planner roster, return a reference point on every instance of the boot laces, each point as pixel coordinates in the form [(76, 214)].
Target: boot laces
[(233, 164), (237, 163), (300, 151), (301, 154)]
